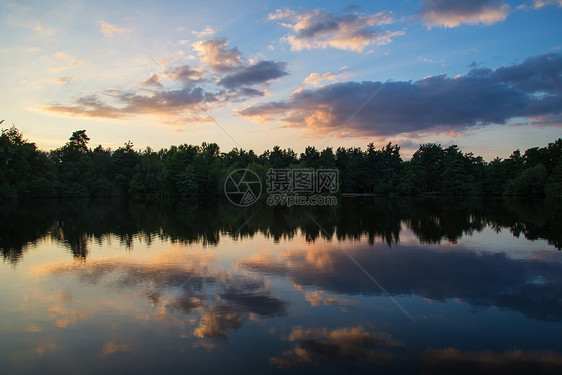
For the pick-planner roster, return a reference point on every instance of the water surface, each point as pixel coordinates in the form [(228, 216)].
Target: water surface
[(374, 285)]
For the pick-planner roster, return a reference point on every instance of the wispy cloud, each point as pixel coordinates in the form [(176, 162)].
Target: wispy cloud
[(319, 29), (44, 30), (316, 79), (449, 13), (65, 80), (162, 103), (207, 31), (542, 3), (109, 30), (61, 55)]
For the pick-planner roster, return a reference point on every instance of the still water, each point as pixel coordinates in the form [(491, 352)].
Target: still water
[(369, 286)]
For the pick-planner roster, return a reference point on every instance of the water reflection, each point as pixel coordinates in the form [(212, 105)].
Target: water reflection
[(484, 279), (447, 361), (321, 346), (222, 299), (75, 222), (167, 287)]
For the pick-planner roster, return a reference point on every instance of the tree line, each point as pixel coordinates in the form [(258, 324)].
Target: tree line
[(80, 223), (76, 170)]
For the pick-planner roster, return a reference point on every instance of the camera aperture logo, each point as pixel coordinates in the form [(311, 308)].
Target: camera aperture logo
[(242, 187)]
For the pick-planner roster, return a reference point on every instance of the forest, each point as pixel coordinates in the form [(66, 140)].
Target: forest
[(77, 170)]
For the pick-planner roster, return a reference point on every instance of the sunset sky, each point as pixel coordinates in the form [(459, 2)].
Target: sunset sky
[(483, 74)]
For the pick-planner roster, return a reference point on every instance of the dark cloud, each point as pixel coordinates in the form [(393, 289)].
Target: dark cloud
[(452, 13), (249, 92), (260, 72), (436, 103), (541, 73)]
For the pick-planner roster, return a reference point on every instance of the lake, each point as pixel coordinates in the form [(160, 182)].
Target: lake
[(370, 286)]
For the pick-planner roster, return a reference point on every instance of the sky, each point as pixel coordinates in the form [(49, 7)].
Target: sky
[(485, 75)]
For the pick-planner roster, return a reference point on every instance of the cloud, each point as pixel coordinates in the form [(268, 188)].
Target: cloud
[(187, 75), (448, 13), (248, 92), (108, 30), (88, 106), (207, 31), (229, 80), (61, 55), (542, 73), (315, 79), (542, 3), (44, 30), (433, 104), (65, 80), (215, 54), (153, 80), (320, 346), (260, 72), (164, 103), (318, 29)]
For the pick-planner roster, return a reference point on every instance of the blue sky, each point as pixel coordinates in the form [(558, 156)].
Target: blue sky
[(483, 74)]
